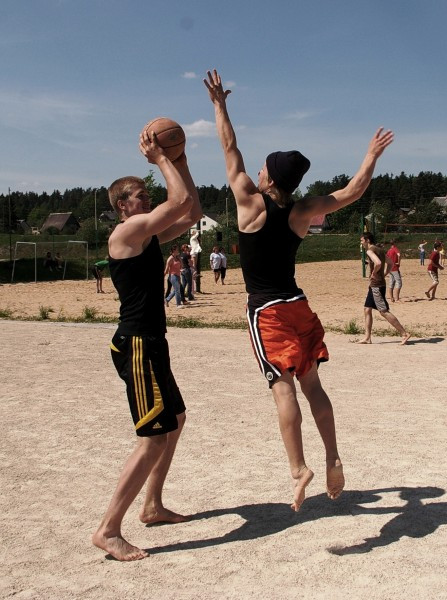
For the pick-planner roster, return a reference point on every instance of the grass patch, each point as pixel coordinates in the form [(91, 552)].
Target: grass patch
[(187, 323), (5, 313), (44, 312), (352, 328)]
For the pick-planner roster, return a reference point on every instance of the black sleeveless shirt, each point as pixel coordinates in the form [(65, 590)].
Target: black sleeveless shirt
[(139, 282), (268, 255)]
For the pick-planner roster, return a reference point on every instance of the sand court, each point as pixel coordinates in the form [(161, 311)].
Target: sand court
[(66, 432)]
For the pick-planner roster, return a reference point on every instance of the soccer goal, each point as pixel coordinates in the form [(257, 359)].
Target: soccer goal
[(15, 258), (72, 245)]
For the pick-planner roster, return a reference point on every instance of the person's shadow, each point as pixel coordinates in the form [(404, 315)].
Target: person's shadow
[(414, 519)]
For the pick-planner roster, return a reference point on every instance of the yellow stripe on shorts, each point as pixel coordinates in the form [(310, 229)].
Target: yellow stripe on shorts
[(144, 413)]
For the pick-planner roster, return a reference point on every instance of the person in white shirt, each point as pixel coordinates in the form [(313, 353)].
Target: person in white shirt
[(215, 263)]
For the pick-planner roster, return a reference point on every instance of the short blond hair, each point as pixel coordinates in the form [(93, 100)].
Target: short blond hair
[(122, 188)]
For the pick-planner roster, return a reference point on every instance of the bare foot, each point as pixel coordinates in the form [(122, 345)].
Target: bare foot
[(405, 339), (427, 294), (335, 480), (301, 482), (161, 515), (118, 547), (364, 341)]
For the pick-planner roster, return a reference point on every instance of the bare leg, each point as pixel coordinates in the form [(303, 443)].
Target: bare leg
[(323, 414), (368, 326), (290, 419), (392, 320), (133, 476), (431, 289), (153, 510)]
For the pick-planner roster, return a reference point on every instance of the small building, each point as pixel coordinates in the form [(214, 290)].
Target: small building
[(64, 222), (207, 222), (442, 201), (22, 226), (318, 224), (107, 217)]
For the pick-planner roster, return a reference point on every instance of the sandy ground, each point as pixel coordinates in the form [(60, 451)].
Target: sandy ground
[(336, 291), (66, 432)]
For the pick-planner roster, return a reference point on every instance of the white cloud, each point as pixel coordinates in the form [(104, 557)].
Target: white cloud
[(200, 128), (189, 75), (300, 115), (230, 84)]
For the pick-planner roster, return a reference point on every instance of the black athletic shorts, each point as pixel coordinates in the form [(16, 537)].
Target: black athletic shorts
[(143, 363), (376, 298)]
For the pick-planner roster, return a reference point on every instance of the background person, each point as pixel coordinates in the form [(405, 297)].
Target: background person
[(395, 275), (421, 249), (223, 265), (173, 271), (433, 268), (186, 272), (98, 273), (380, 265), (215, 263), (287, 336)]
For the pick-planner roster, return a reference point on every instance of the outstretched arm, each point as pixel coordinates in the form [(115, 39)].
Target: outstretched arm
[(322, 205), (194, 213), (248, 199)]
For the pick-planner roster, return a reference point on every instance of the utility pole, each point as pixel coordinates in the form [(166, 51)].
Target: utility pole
[(9, 225), (96, 230)]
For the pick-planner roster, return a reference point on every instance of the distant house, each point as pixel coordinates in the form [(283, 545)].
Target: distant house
[(207, 222), (442, 201), (108, 216), (63, 222), (23, 226), (318, 224)]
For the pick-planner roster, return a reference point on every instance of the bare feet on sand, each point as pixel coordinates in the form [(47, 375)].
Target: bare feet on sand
[(301, 482), (161, 515), (118, 547), (405, 339), (335, 480), (364, 341)]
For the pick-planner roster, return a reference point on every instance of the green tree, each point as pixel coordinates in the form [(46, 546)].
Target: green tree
[(87, 232)]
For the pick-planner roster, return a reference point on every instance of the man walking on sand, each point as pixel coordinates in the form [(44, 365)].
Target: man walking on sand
[(433, 266), (287, 336), (139, 347), (395, 276), (376, 298)]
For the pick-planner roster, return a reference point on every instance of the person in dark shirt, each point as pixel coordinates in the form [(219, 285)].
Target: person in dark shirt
[(139, 347), (380, 264), (287, 336), (433, 266)]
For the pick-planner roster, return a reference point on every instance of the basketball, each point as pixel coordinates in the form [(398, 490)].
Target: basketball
[(170, 136)]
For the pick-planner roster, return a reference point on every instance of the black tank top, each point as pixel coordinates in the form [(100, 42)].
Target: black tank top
[(140, 286), (268, 255)]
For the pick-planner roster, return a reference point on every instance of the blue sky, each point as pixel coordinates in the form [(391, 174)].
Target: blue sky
[(80, 78)]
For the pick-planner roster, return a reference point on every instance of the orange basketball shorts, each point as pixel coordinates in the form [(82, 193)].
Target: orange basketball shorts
[(286, 336)]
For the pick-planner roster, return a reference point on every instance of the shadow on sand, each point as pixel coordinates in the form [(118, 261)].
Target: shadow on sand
[(414, 519)]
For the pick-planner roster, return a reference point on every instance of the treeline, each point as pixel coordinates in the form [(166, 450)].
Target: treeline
[(402, 198)]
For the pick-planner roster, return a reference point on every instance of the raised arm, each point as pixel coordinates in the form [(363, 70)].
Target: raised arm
[(245, 191), (323, 205), (194, 213)]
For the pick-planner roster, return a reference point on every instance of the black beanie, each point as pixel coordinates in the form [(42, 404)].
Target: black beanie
[(287, 169)]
